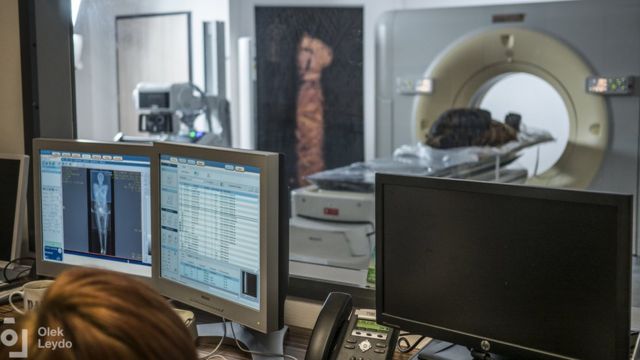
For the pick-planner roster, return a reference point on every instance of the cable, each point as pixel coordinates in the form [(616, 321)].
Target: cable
[(224, 335), (404, 346), (408, 334), (233, 332), (13, 261), (20, 275), (373, 226)]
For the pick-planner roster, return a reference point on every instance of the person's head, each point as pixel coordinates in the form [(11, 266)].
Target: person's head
[(107, 315)]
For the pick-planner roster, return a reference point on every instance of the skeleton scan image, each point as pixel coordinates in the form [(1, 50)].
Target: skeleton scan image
[(98, 210), (101, 209)]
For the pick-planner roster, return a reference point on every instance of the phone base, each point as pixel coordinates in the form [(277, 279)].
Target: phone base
[(271, 343)]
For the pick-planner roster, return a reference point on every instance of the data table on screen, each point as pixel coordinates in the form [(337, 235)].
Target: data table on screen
[(210, 223)]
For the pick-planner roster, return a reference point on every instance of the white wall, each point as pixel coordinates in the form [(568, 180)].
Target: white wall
[(242, 23), (11, 120), (96, 85)]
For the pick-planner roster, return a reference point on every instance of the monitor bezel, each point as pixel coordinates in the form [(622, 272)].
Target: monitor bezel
[(269, 317), (623, 203), (21, 202), (53, 269)]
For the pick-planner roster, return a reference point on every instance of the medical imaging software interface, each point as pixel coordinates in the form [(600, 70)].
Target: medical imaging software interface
[(96, 210), (210, 227)]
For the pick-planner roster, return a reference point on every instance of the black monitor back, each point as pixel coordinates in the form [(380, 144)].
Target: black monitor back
[(534, 272), (9, 187)]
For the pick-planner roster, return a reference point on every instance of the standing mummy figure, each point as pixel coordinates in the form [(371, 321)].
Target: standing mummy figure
[(101, 210), (313, 57)]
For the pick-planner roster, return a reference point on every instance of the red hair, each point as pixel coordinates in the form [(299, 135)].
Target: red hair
[(107, 315)]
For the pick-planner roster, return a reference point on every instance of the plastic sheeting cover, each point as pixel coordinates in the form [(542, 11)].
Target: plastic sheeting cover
[(423, 160)]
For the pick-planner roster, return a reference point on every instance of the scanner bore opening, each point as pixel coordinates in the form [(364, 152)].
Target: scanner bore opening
[(541, 106)]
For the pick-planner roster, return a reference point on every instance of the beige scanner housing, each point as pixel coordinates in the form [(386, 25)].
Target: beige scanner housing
[(469, 67)]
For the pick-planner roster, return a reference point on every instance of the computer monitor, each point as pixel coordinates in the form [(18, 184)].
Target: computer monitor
[(223, 244), (93, 206), (14, 171), (515, 270)]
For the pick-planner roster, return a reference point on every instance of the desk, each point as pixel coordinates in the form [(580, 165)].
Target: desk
[(295, 343)]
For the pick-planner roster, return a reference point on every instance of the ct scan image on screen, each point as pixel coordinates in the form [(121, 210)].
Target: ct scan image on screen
[(210, 227), (101, 205), (96, 210)]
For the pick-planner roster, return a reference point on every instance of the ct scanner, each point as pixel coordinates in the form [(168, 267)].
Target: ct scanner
[(428, 61), (432, 60)]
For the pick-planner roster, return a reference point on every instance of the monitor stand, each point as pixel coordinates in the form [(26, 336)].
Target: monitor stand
[(271, 343), (442, 350)]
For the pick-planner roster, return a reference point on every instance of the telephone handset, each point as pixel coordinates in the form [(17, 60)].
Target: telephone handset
[(344, 333), (330, 323)]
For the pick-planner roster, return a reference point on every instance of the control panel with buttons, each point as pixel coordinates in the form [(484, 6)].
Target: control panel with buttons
[(617, 85), (365, 339)]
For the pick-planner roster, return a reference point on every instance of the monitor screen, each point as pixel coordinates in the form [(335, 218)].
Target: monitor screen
[(96, 210), (210, 227), (530, 268), (9, 183)]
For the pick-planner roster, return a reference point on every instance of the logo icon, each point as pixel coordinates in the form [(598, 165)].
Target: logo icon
[(9, 337), (485, 345)]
